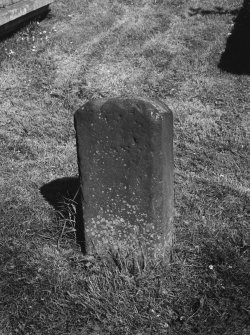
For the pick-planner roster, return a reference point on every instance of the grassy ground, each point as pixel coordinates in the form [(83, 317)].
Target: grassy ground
[(98, 48)]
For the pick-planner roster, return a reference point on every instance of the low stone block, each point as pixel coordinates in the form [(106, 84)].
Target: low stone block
[(125, 157), (14, 13)]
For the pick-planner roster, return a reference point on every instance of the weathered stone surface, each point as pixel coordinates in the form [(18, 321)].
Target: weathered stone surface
[(125, 156)]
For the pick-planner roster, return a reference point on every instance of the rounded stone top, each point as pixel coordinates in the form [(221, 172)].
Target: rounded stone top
[(150, 107)]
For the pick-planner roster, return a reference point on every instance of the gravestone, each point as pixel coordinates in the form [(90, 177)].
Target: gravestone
[(125, 158)]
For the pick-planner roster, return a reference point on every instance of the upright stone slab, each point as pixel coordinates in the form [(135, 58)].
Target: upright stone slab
[(125, 157)]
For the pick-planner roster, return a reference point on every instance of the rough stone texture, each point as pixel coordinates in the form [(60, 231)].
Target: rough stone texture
[(11, 10), (125, 156)]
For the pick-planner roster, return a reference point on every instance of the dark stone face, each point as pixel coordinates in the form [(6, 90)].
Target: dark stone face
[(126, 170)]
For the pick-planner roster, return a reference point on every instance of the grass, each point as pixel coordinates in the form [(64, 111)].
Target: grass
[(86, 49)]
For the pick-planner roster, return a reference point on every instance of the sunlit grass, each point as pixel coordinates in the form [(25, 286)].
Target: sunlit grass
[(92, 49)]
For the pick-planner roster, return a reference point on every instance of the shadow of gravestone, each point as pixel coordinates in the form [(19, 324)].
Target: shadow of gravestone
[(63, 194), (217, 10), (235, 58)]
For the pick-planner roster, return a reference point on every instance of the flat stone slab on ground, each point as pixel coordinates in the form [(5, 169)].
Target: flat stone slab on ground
[(125, 156), (18, 11)]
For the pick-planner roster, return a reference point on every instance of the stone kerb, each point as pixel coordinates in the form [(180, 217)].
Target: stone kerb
[(12, 10), (125, 158)]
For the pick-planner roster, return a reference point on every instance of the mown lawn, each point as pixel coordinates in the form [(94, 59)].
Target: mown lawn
[(87, 49)]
